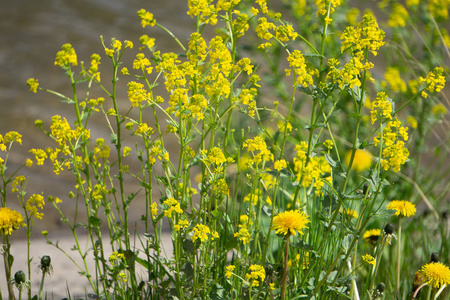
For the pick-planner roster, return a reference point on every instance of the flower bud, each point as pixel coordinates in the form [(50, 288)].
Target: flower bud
[(381, 287), (19, 277), (434, 257), (45, 261), (389, 228)]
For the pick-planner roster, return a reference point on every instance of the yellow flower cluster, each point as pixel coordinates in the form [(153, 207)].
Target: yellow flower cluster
[(256, 273), (181, 224), (243, 234), (435, 81), (381, 108), (439, 109), (204, 10), (33, 204), (93, 69), (325, 5), (366, 36), (280, 164), (172, 206), (398, 16), (202, 232), (10, 137), (396, 83), (33, 84), (197, 48), (66, 57), (312, 171), (137, 93), (258, 148), (369, 259), (290, 222), (146, 18), (439, 8), (229, 271), (142, 63), (10, 220), (303, 73), (395, 153)]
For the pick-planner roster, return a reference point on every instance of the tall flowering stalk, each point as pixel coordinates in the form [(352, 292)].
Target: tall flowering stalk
[(402, 209), (288, 223)]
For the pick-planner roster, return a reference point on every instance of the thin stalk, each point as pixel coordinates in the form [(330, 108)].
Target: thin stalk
[(399, 255), (286, 258)]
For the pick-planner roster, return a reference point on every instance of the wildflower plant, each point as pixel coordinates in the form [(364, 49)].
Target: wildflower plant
[(267, 155)]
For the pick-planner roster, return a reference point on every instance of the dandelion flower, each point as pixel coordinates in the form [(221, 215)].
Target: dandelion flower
[(361, 162), (403, 208), (371, 236), (9, 220), (290, 222), (436, 274)]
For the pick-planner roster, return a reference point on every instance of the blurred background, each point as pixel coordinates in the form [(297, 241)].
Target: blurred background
[(31, 33)]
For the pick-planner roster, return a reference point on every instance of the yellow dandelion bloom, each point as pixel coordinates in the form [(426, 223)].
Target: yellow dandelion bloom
[(436, 274), (362, 160), (371, 236), (290, 222), (10, 220), (403, 208)]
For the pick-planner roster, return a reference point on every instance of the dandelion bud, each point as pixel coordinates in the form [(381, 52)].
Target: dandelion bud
[(19, 277), (45, 261), (269, 270), (434, 257), (389, 228), (381, 287)]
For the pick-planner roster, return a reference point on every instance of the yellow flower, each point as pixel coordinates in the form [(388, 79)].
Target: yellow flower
[(403, 208), (290, 222), (146, 18), (371, 236), (33, 84), (66, 56), (229, 271), (435, 81), (243, 235), (33, 204), (369, 259), (439, 109), (361, 161), (202, 233), (399, 16), (256, 273), (172, 206), (280, 164), (350, 213), (436, 274), (9, 220), (392, 76)]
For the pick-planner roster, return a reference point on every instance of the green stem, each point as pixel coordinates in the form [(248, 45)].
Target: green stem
[(399, 255), (41, 287), (286, 258)]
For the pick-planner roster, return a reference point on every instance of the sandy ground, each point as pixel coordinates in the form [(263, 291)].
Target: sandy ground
[(65, 273)]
